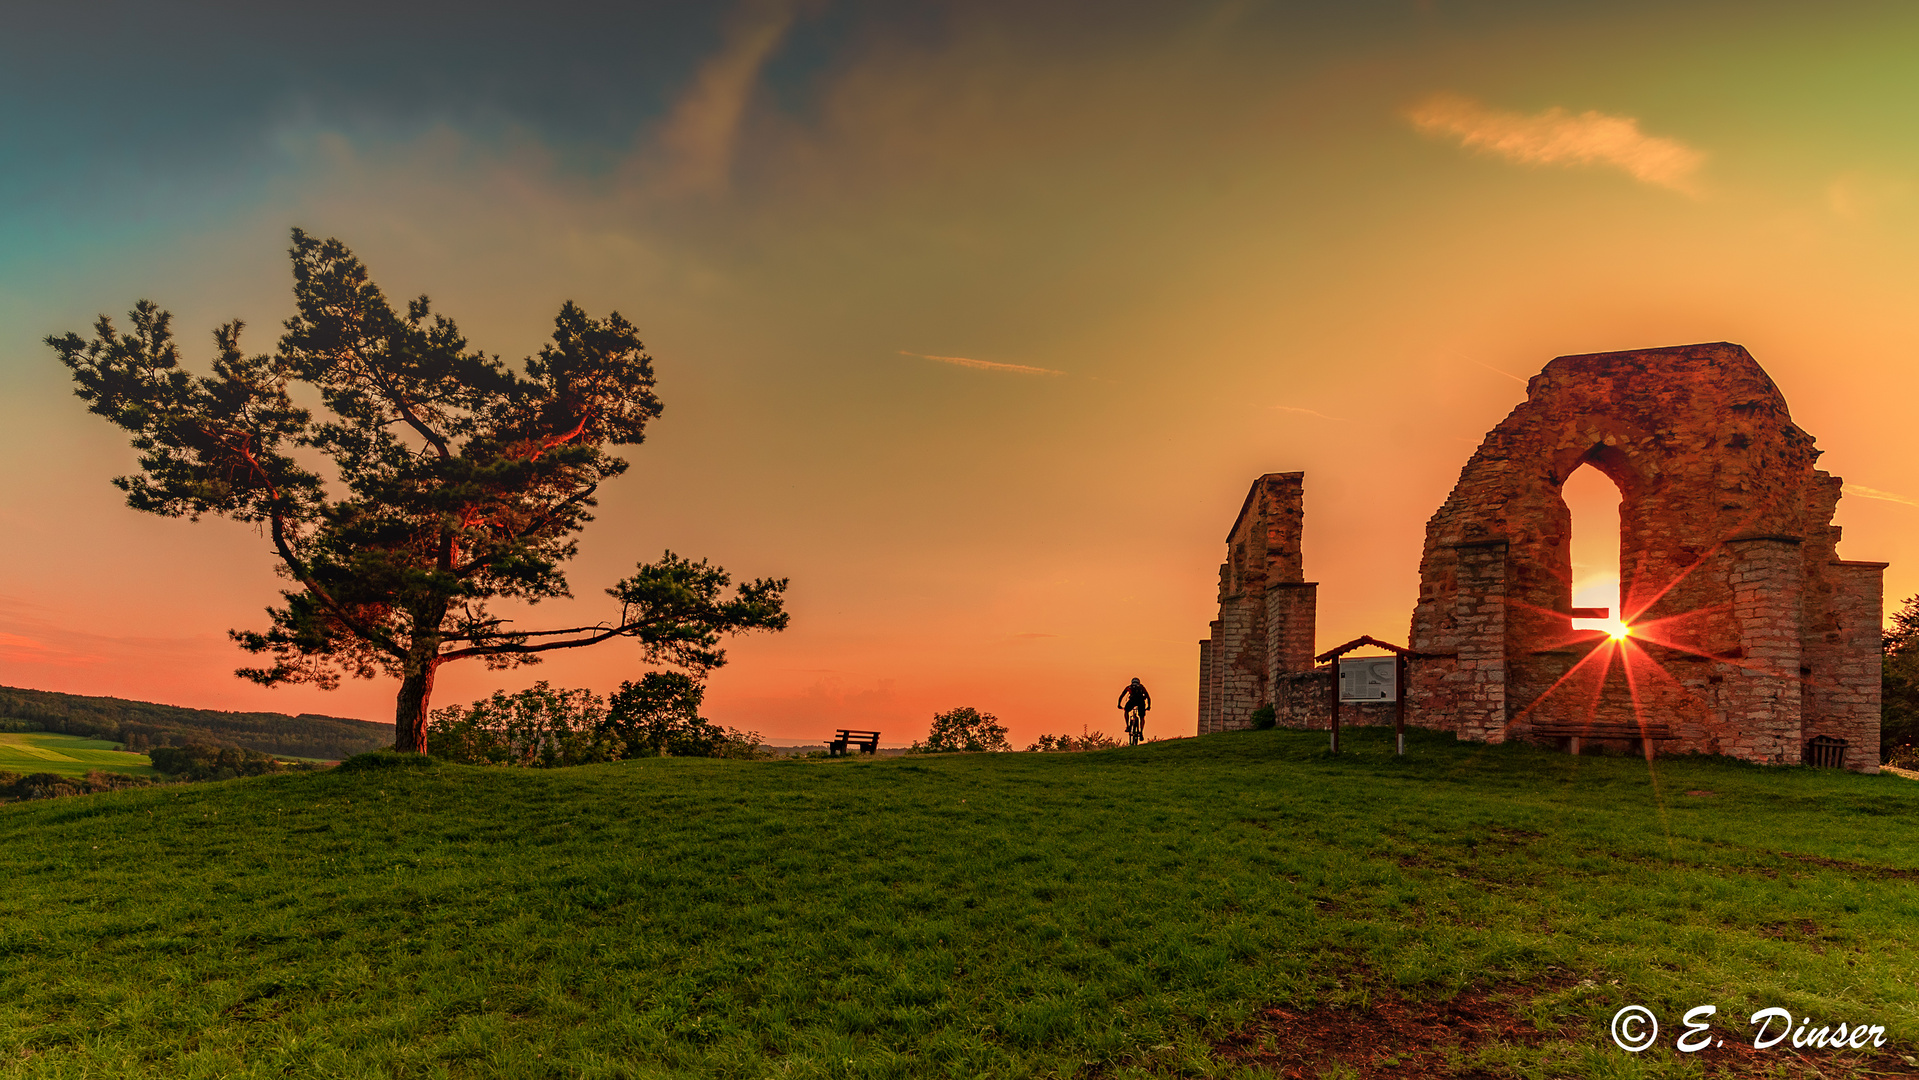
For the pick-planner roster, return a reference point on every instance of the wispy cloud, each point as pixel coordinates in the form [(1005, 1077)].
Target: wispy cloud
[(1874, 493), (1559, 137), (1498, 371), (1308, 412), (701, 132), (983, 365), (1857, 196)]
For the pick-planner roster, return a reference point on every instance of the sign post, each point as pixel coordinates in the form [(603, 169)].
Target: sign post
[(1369, 678), (1335, 665), (1399, 705)]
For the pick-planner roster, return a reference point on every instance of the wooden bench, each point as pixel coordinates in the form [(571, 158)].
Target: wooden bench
[(868, 742), (1646, 734)]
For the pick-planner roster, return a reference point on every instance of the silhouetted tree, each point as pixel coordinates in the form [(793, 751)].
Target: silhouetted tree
[(463, 481), (965, 729), (1899, 683)]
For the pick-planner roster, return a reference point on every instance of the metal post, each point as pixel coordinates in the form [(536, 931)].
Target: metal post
[(1334, 666), (1399, 706)]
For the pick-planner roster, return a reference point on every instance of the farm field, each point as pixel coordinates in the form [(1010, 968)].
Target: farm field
[(1236, 905), (66, 755)]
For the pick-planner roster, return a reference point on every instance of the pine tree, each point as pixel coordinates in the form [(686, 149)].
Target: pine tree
[(457, 481)]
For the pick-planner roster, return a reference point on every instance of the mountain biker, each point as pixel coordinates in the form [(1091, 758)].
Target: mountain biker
[(1136, 701)]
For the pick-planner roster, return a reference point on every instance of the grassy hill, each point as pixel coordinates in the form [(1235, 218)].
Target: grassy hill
[(1230, 905), (141, 724), (66, 755)]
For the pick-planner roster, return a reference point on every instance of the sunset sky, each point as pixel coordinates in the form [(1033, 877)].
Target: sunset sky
[(974, 320)]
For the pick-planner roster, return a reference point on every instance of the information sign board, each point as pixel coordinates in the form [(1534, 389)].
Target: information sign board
[(1368, 678)]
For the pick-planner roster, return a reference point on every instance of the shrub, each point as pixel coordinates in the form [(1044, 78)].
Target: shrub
[(14, 787), (1066, 744), (538, 727), (1265, 718), (545, 728), (198, 761)]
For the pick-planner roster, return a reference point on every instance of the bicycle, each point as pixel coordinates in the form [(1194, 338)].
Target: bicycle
[(1135, 724)]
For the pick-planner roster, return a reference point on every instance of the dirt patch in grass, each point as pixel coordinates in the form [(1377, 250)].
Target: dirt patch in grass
[(1394, 1038), (1741, 1060), (1397, 1038), (1791, 930), (1858, 869)]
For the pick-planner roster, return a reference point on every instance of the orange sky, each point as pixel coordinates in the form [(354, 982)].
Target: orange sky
[(1235, 240)]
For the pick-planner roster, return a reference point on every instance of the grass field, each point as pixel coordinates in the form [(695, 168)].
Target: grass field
[(1115, 914), (66, 755)]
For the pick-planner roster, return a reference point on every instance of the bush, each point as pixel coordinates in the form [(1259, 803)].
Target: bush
[(546, 728), (198, 761), (964, 729), (14, 787), (1265, 718), (539, 727), (1066, 744)]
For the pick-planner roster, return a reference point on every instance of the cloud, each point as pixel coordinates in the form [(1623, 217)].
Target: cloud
[(1558, 137), (703, 128), (984, 365), (1309, 412), (1874, 493), (1859, 195)]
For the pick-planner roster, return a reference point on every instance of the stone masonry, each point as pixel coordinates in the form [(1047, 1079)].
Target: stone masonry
[(1266, 607), (1750, 636)]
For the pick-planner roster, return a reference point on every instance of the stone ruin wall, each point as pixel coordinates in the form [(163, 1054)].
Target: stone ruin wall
[(1300, 699), (1759, 636), (1266, 607)]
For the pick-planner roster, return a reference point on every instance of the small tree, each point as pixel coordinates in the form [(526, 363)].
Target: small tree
[(462, 481), (659, 716), (964, 729), (1899, 683)]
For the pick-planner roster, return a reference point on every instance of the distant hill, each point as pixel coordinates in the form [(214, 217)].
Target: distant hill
[(142, 724)]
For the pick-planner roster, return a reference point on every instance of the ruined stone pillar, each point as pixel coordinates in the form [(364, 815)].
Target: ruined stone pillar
[(1479, 616), (1215, 678), (1243, 652), (1205, 686), (1292, 609), (1762, 690), (1846, 676)]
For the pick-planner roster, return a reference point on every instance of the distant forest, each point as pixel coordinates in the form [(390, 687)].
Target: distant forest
[(142, 725)]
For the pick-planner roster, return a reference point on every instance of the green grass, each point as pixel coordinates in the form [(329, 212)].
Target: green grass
[(66, 755), (1070, 915)]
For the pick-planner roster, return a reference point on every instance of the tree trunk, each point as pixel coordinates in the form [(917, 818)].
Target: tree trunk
[(416, 692)]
